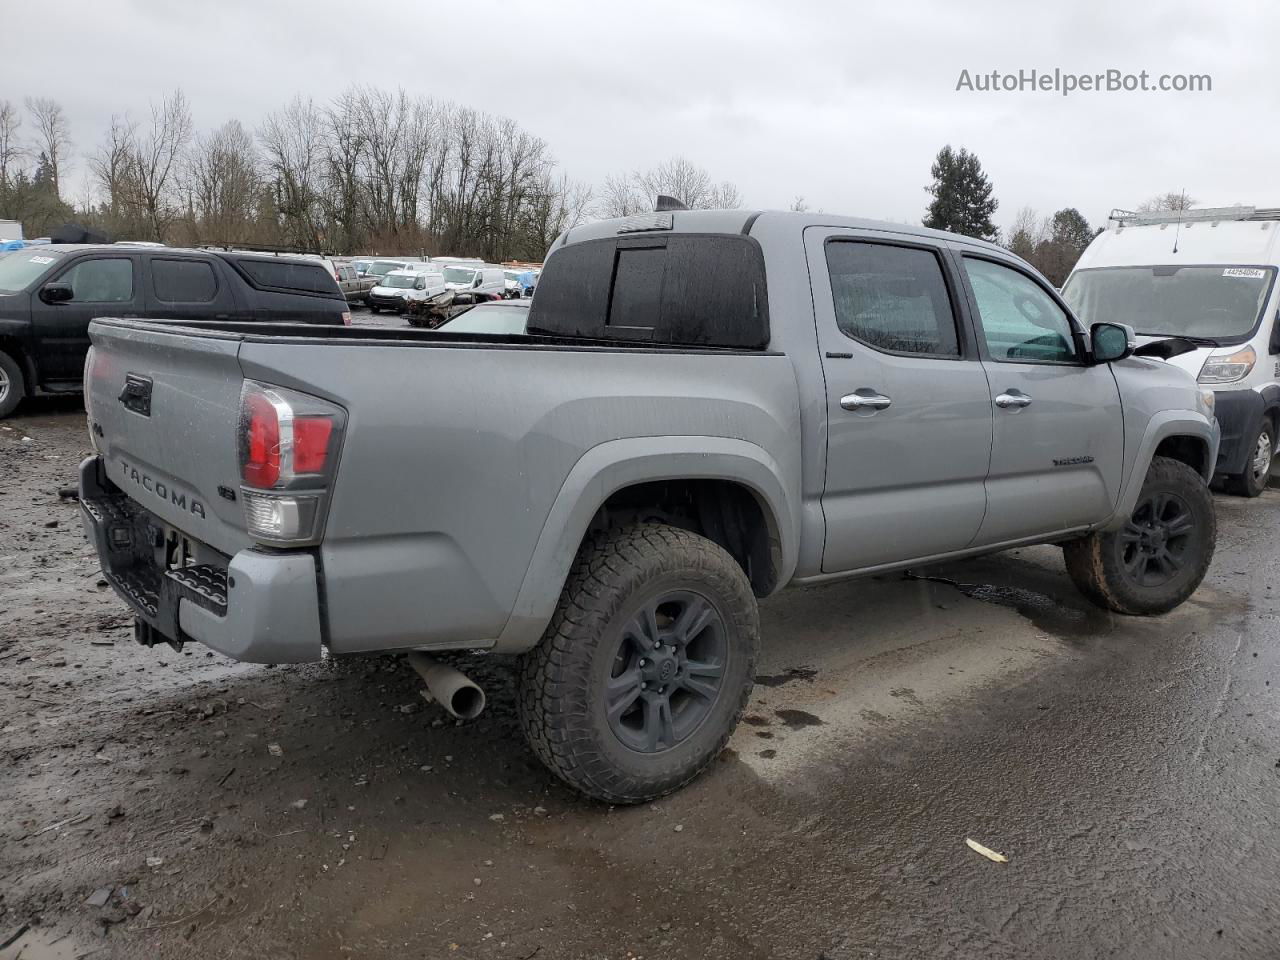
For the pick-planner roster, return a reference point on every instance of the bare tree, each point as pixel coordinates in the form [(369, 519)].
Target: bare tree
[(678, 177), (293, 154), (1028, 231), (112, 169), (1171, 201), (53, 137), (223, 182), (11, 151), (156, 162)]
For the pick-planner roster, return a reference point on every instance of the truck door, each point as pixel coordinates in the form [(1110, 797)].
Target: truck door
[(908, 408), (1056, 459), (103, 286)]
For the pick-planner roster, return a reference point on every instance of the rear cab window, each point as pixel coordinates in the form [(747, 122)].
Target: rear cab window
[(677, 289)]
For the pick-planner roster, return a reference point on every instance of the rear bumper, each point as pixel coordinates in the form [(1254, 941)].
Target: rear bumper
[(1239, 412), (257, 606)]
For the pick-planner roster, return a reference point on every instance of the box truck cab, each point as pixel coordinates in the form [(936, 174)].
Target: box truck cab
[(1208, 276)]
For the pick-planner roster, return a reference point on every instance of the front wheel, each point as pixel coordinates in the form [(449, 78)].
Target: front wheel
[(646, 666), (12, 384), (1257, 470), (1158, 558)]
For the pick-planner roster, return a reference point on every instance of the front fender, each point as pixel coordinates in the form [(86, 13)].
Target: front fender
[(609, 467), (1162, 426)]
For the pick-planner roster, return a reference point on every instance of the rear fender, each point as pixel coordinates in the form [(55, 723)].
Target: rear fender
[(609, 467)]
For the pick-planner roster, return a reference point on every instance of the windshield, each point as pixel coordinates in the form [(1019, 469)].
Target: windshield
[(402, 281), (458, 275), (380, 268), (488, 319), (18, 269), (1218, 302)]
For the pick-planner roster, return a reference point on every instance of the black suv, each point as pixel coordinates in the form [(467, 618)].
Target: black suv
[(48, 295)]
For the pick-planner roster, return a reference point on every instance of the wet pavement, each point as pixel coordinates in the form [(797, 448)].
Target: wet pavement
[(176, 805)]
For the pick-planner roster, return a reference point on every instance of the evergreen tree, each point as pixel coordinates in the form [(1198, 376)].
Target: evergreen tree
[(962, 200)]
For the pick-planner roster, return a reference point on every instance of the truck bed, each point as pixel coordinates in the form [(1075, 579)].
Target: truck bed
[(457, 449)]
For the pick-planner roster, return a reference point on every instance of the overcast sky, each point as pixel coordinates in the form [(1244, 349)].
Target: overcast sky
[(843, 103)]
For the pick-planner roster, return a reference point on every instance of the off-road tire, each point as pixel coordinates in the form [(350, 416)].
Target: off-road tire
[(1095, 565), (15, 385), (1248, 484), (561, 702)]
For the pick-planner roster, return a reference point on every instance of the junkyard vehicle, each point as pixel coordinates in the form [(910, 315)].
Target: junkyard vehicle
[(504, 318), (49, 293), (707, 406), (397, 288), (1208, 276), (476, 280), (354, 287)]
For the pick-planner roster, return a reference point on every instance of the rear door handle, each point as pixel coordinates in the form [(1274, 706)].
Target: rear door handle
[(865, 401), (1014, 398)]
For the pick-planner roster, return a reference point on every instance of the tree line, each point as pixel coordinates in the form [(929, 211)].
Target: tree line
[(371, 171), (379, 171)]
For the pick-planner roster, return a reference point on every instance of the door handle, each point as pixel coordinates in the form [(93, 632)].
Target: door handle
[(1013, 399), (865, 401)]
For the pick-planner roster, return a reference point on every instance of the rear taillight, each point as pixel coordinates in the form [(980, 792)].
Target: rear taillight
[(288, 443), (346, 318)]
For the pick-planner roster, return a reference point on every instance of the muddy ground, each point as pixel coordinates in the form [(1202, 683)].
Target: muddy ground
[(158, 804)]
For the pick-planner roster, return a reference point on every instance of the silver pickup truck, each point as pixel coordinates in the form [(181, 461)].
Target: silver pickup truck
[(707, 407)]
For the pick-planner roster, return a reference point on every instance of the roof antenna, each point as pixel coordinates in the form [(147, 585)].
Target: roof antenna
[(668, 203), (1182, 208)]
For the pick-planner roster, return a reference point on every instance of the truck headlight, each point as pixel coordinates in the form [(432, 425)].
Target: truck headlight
[(1228, 367)]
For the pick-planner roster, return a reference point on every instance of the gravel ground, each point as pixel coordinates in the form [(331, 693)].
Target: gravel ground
[(162, 804)]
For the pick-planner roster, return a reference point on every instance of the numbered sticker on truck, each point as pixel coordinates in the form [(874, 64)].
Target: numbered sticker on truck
[(1247, 273)]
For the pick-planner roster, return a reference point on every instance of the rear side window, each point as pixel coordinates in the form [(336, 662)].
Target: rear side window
[(183, 281), (290, 277), (892, 298), (672, 289)]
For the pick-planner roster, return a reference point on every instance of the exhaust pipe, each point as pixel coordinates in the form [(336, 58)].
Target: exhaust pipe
[(450, 688)]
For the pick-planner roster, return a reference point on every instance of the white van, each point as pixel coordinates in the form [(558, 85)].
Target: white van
[(484, 278), (398, 287), (1209, 277)]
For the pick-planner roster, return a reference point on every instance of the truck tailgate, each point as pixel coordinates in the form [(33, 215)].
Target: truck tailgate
[(163, 408)]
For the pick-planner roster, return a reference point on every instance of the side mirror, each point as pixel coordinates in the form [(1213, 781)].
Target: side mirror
[(420, 285), (57, 292), (1111, 341), (479, 280), (1274, 346)]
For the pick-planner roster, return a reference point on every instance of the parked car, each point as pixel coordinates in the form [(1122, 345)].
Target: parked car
[(354, 287), (380, 268), (48, 294), (394, 290), (500, 318), (1209, 277), (480, 280), (708, 406)]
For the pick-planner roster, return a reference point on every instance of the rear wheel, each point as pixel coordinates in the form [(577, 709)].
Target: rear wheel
[(372, 308), (646, 666), (13, 385), (1159, 557), (1257, 470)]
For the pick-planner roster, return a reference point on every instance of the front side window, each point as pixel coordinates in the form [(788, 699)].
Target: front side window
[(100, 281), (1018, 319), (892, 298)]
